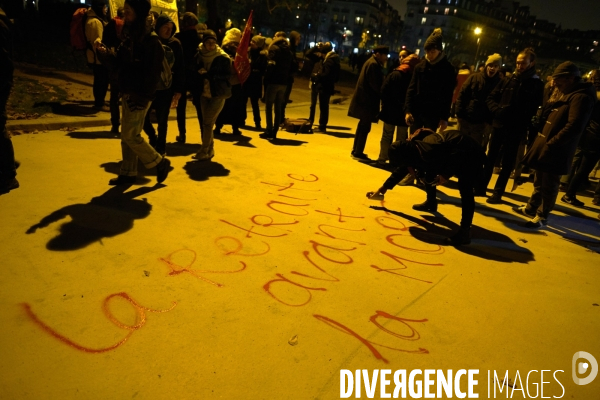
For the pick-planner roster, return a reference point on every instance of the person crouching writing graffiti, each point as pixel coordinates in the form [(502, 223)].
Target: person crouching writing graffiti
[(433, 158)]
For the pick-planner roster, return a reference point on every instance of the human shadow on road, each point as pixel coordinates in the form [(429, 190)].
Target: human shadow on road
[(72, 109), (203, 170), (237, 140), (107, 215), (337, 134), (176, 149), (286, 142), (485, 243), (107, 134)]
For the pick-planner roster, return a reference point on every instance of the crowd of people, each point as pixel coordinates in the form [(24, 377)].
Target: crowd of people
[(504, 120)]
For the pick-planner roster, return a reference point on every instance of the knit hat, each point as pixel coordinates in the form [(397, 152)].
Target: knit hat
[(494, 59), (382, 50), (140, 7), (259, 41), (162, 20), (294, 36), (566, 68), (209, 34), (189, 20), (435, 40), (234, 35)]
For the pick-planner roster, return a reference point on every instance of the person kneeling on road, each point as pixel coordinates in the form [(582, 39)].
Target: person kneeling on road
[(433, 158)]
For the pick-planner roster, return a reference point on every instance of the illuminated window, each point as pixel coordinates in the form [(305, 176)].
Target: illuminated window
[(425, 10), (423, 21), (446, 11)]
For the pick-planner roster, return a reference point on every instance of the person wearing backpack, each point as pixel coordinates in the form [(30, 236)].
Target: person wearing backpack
[(139, 60), (94, 27), (326, 72), (166, 95)]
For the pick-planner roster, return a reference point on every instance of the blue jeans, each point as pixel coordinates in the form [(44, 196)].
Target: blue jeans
[(133, 144), (274, 96)]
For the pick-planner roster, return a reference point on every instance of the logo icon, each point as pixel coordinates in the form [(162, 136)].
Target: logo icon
[(583, 367)]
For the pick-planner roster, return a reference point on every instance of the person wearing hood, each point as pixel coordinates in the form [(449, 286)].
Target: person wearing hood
[(474, 117), (94, 28), (551, 154), (234, 110), (433, 158), (190, 40), (393, 96), (214, 69), (253, 87), (429, 94), (139, 61), (513, 103), (365, 101), (279, 68), (325, 73), (166, 97)]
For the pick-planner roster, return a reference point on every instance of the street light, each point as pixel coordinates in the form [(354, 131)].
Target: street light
[(477, 32)]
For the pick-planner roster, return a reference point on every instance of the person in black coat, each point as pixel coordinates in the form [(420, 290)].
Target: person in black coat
[(325, 73), (434, 157), (190, 40), (111, 37), (393, 96), (552, 152), (252, 88), (8, 170), (429, 94), (513, 103), (165, 98), (365, 101)]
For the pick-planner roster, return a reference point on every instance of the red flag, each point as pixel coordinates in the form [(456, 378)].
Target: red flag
[(242, 62)]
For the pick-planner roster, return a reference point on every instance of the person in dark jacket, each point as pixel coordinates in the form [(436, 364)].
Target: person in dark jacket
[(587, 153), (279, 67), (513, 103), (393, 96), (214, 66), (234, 110), (434, 158), (294, 41), (139, 61), (112, 37), (365, 101), (552, 152), (474, 117), (253, 86), (8, 170), (429, 94), (166, 98), (325, 73), (190, 40)]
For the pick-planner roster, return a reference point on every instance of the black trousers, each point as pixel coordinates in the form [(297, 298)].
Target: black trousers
[(100, 86), (587, 162), (466, 184), (162, 106), (7, 152), (504, 143), (360, 137), (545, 192), (323, 98), (115, 113)]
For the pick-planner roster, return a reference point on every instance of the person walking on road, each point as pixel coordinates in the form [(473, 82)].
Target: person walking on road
[(365, 101), (139, 61)]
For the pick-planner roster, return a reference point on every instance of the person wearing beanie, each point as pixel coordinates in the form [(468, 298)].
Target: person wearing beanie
[(551, 154), (365, 100), (139, 61), (94, 28), (474, 117), (190, 40), (253, 87), (393, 95), (294, 41), (166, 97), (513, 103), (325, 73), (433, 158), (587, 154), (234, 110), (429, 95), (214, 67)]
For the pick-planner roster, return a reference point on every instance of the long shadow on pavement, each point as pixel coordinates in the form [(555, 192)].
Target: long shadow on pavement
[(240, 140), (203, 170), (72, 109), (485, 244), (45, 73), (107, 215), (286, 142)]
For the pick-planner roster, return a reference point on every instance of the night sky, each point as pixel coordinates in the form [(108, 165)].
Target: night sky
[(572, 14)]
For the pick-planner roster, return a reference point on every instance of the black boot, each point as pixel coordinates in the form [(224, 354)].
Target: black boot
[(430, 206)]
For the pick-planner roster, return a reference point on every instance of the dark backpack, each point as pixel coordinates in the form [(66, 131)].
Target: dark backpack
[(77, 29), (166, 74), (298, 126)]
